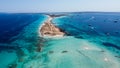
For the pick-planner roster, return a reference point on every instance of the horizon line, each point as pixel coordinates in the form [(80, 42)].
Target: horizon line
[(65, 12)]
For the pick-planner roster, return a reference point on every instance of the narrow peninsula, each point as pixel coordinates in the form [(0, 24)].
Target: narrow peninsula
[(49, 29)]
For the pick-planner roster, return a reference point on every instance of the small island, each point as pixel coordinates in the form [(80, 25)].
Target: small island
[(49, 29)]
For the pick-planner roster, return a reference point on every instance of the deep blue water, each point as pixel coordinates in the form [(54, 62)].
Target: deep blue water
[(89, 36), (102, 28), (12, 24), (91, 23), (74, 24)]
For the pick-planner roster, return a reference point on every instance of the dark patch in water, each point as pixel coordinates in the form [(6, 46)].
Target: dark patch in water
[(89, 25), (107, 33), (81, 37), (117, 56), (102, 51), (82, 54), (50, 52), (8, 47), (111, 45), (115, 21), (116, 32), (13, 65), (64, 51)]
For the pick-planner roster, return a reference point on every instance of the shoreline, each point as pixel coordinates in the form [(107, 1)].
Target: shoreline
[(48, 30)]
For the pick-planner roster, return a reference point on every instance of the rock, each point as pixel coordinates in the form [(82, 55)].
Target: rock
[(14, 65), (117, 56), (50, 52), (64, 51), (102, 51), (38, 49)]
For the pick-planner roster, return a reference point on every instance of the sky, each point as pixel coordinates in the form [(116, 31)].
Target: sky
[(59, 5)]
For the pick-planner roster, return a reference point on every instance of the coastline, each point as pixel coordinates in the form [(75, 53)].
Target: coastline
[(40, 26), (71, 50), (54, 31), (81, 47)]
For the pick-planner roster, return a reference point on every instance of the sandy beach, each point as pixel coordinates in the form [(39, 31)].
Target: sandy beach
[(48, 29)]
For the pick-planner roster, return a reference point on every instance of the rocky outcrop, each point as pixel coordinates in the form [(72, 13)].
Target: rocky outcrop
[(49, 29)]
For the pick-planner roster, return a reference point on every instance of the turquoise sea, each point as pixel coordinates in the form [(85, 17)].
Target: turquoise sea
[(92, 40)]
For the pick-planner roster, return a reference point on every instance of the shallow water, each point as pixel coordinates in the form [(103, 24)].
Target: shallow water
[(74, 53), (20, 40), (92, 41)]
